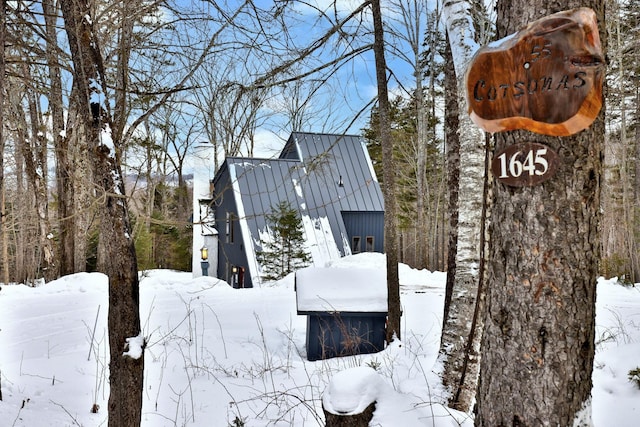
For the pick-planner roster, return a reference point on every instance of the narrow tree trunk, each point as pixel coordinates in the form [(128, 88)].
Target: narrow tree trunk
[(3, 212), (81, 177), (3, 219), (23, 256), (452, 142), (538, 341), (433, 232), (389, 175), (28, 144), (460, 343), (64, 175), (635, 270), (125, 372), (618, 218), (125, 38), (421, 178), (34, 151)]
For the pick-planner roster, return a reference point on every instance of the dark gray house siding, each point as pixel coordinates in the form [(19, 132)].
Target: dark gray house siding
[(326, 177), (230, 247), (365, 231)]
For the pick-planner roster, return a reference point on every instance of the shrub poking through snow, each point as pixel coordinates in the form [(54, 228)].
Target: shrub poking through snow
[(634, 376)]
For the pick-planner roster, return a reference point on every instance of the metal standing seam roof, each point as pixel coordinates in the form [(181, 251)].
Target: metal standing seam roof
[(311, 185), (346, 156)]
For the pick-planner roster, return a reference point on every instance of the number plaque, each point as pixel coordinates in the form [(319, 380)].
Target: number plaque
[(546, 78), (524, 165)]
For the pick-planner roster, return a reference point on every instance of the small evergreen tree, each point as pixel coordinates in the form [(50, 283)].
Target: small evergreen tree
[(284, 252)]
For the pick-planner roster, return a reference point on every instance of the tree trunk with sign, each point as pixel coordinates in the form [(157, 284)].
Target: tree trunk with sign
[(538, 341)]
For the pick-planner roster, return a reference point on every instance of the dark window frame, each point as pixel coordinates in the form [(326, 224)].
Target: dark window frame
[(356, 244), (370, 244)]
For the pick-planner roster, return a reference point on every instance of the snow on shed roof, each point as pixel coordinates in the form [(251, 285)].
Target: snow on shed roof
[(352, 290)]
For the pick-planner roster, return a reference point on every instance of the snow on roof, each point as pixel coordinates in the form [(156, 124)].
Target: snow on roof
[(341, 290)]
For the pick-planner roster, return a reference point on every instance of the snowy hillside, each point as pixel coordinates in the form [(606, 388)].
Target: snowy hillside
[(219, 356)]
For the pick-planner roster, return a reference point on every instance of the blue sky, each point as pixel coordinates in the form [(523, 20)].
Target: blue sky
[(342, 105), (354, 86)]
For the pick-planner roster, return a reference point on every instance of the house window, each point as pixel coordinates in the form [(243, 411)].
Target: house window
[(229, 227), (370, 244), (355, 245)]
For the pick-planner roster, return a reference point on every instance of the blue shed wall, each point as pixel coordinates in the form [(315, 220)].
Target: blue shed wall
[(344, 334)]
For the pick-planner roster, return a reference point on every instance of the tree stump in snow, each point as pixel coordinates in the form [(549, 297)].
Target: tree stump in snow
[(350, 398), (355, 420)]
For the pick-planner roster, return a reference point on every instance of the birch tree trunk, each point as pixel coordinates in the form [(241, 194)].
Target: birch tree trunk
[(125, 370), (460, 341), (538, 341)]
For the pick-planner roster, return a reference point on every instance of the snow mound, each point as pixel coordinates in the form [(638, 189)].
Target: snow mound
[(352, 390)]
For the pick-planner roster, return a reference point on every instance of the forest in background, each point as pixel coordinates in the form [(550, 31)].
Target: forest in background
[(180, 74)]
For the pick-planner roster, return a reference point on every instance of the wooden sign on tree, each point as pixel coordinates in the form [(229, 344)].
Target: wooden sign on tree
[(547, 78)]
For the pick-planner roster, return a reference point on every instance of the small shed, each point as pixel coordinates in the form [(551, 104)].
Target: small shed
[(346, 310)]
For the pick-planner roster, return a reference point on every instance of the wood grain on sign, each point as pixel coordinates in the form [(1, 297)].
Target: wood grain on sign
[(546, 78)]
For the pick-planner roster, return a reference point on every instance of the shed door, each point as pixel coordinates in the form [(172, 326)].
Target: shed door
[(365, 230)]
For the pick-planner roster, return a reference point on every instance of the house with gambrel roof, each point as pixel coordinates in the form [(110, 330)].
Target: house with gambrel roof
[(329, 179)]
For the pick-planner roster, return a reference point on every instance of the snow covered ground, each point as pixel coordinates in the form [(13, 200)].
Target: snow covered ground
[(218, 356)]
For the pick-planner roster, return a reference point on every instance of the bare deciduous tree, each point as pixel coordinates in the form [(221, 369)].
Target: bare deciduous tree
[(389, 189), (125, 371)]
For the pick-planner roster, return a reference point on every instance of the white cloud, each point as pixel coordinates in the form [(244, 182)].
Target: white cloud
[(268, 143)]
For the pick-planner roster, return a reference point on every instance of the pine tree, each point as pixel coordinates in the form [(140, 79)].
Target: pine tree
[(284, 252)]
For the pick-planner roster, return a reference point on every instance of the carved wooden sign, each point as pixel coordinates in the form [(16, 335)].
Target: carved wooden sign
[(524, 165), (546, 78)]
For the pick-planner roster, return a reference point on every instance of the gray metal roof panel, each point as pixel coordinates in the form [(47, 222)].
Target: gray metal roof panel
[(346, 156)]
